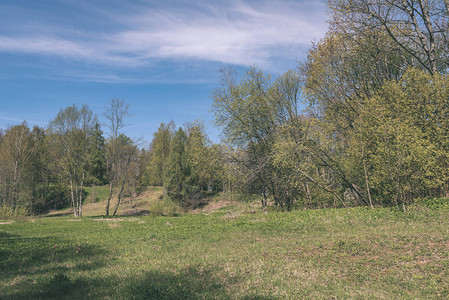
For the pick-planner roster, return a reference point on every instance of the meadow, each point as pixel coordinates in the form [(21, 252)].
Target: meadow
[(331, 253)]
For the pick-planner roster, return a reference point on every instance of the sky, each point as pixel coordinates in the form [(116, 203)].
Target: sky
[(161, 57)]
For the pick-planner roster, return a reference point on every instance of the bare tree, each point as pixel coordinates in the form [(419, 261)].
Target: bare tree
[(417, 27), (115, 114)]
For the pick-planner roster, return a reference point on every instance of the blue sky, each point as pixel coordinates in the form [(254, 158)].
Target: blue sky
[(161, 57)]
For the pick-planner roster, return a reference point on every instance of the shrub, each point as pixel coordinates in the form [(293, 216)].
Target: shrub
[(9, 212), (165, 207), (434, 203)]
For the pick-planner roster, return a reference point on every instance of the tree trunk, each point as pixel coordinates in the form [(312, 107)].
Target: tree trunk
[(263, 200), (308, 195), (109, 198), (75, 213), (80, 204), (323, 187), (14, 184), (119, 197), (367, 185)]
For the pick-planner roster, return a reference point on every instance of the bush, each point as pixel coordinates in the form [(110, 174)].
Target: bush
[(9, 212), (434, 203), (165, 207)]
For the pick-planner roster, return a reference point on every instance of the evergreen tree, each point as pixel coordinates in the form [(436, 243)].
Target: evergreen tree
[(97, 158), (179, 182)]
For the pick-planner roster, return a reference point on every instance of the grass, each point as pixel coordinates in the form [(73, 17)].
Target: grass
[(97, 193), (95, 203), (343, 253)]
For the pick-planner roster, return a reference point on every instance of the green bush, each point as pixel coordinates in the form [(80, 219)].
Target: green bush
[(165, 207), (434, 203), (9, 212)]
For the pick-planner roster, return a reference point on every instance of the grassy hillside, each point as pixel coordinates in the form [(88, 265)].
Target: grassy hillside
[(354, 253), (150, 202)]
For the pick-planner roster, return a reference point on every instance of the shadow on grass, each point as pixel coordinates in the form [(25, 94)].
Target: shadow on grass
[(53, 268), (190, 283), (37, 268), (62, 214)]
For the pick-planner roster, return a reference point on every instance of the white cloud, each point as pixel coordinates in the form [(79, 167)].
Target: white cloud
[(264, 33)]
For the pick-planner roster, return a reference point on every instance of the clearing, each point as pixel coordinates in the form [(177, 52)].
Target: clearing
[(229, 254)]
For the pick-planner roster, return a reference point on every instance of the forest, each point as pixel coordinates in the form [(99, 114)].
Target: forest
[(363, 121)]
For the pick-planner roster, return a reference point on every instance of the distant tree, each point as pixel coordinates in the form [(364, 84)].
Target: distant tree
[(127, 156), (159, 152), (39, 175), (198, 154), (250, 112), (179, 182), (116, 160), (97, 157), (17, 149), (73, 128)]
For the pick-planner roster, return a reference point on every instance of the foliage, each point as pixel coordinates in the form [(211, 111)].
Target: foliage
[(165, 207), (434, 203), (180, 183), (250, 113), (96, 158), (72, 131), (159, 152), (13, 213)]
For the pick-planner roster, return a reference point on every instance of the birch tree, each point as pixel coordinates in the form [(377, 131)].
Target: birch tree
[(72, 129)]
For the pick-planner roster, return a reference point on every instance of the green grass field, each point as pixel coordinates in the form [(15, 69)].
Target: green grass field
[(344, 253)]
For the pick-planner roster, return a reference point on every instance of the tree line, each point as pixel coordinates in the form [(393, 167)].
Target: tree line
[(364, 120), (49, 168)]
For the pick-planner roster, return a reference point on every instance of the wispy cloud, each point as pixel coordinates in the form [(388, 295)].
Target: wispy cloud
[(7, 119), (264, 33)]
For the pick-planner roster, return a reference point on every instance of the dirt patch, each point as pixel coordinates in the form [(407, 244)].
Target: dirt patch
[(74, 220), (4, 223)]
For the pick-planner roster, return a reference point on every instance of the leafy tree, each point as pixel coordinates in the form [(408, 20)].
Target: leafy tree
[(97, 157), (16, 148), (407, 122), (40, 171), (179, 183), (72, 132), (201, 155), (159, 152), (250, 113)]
